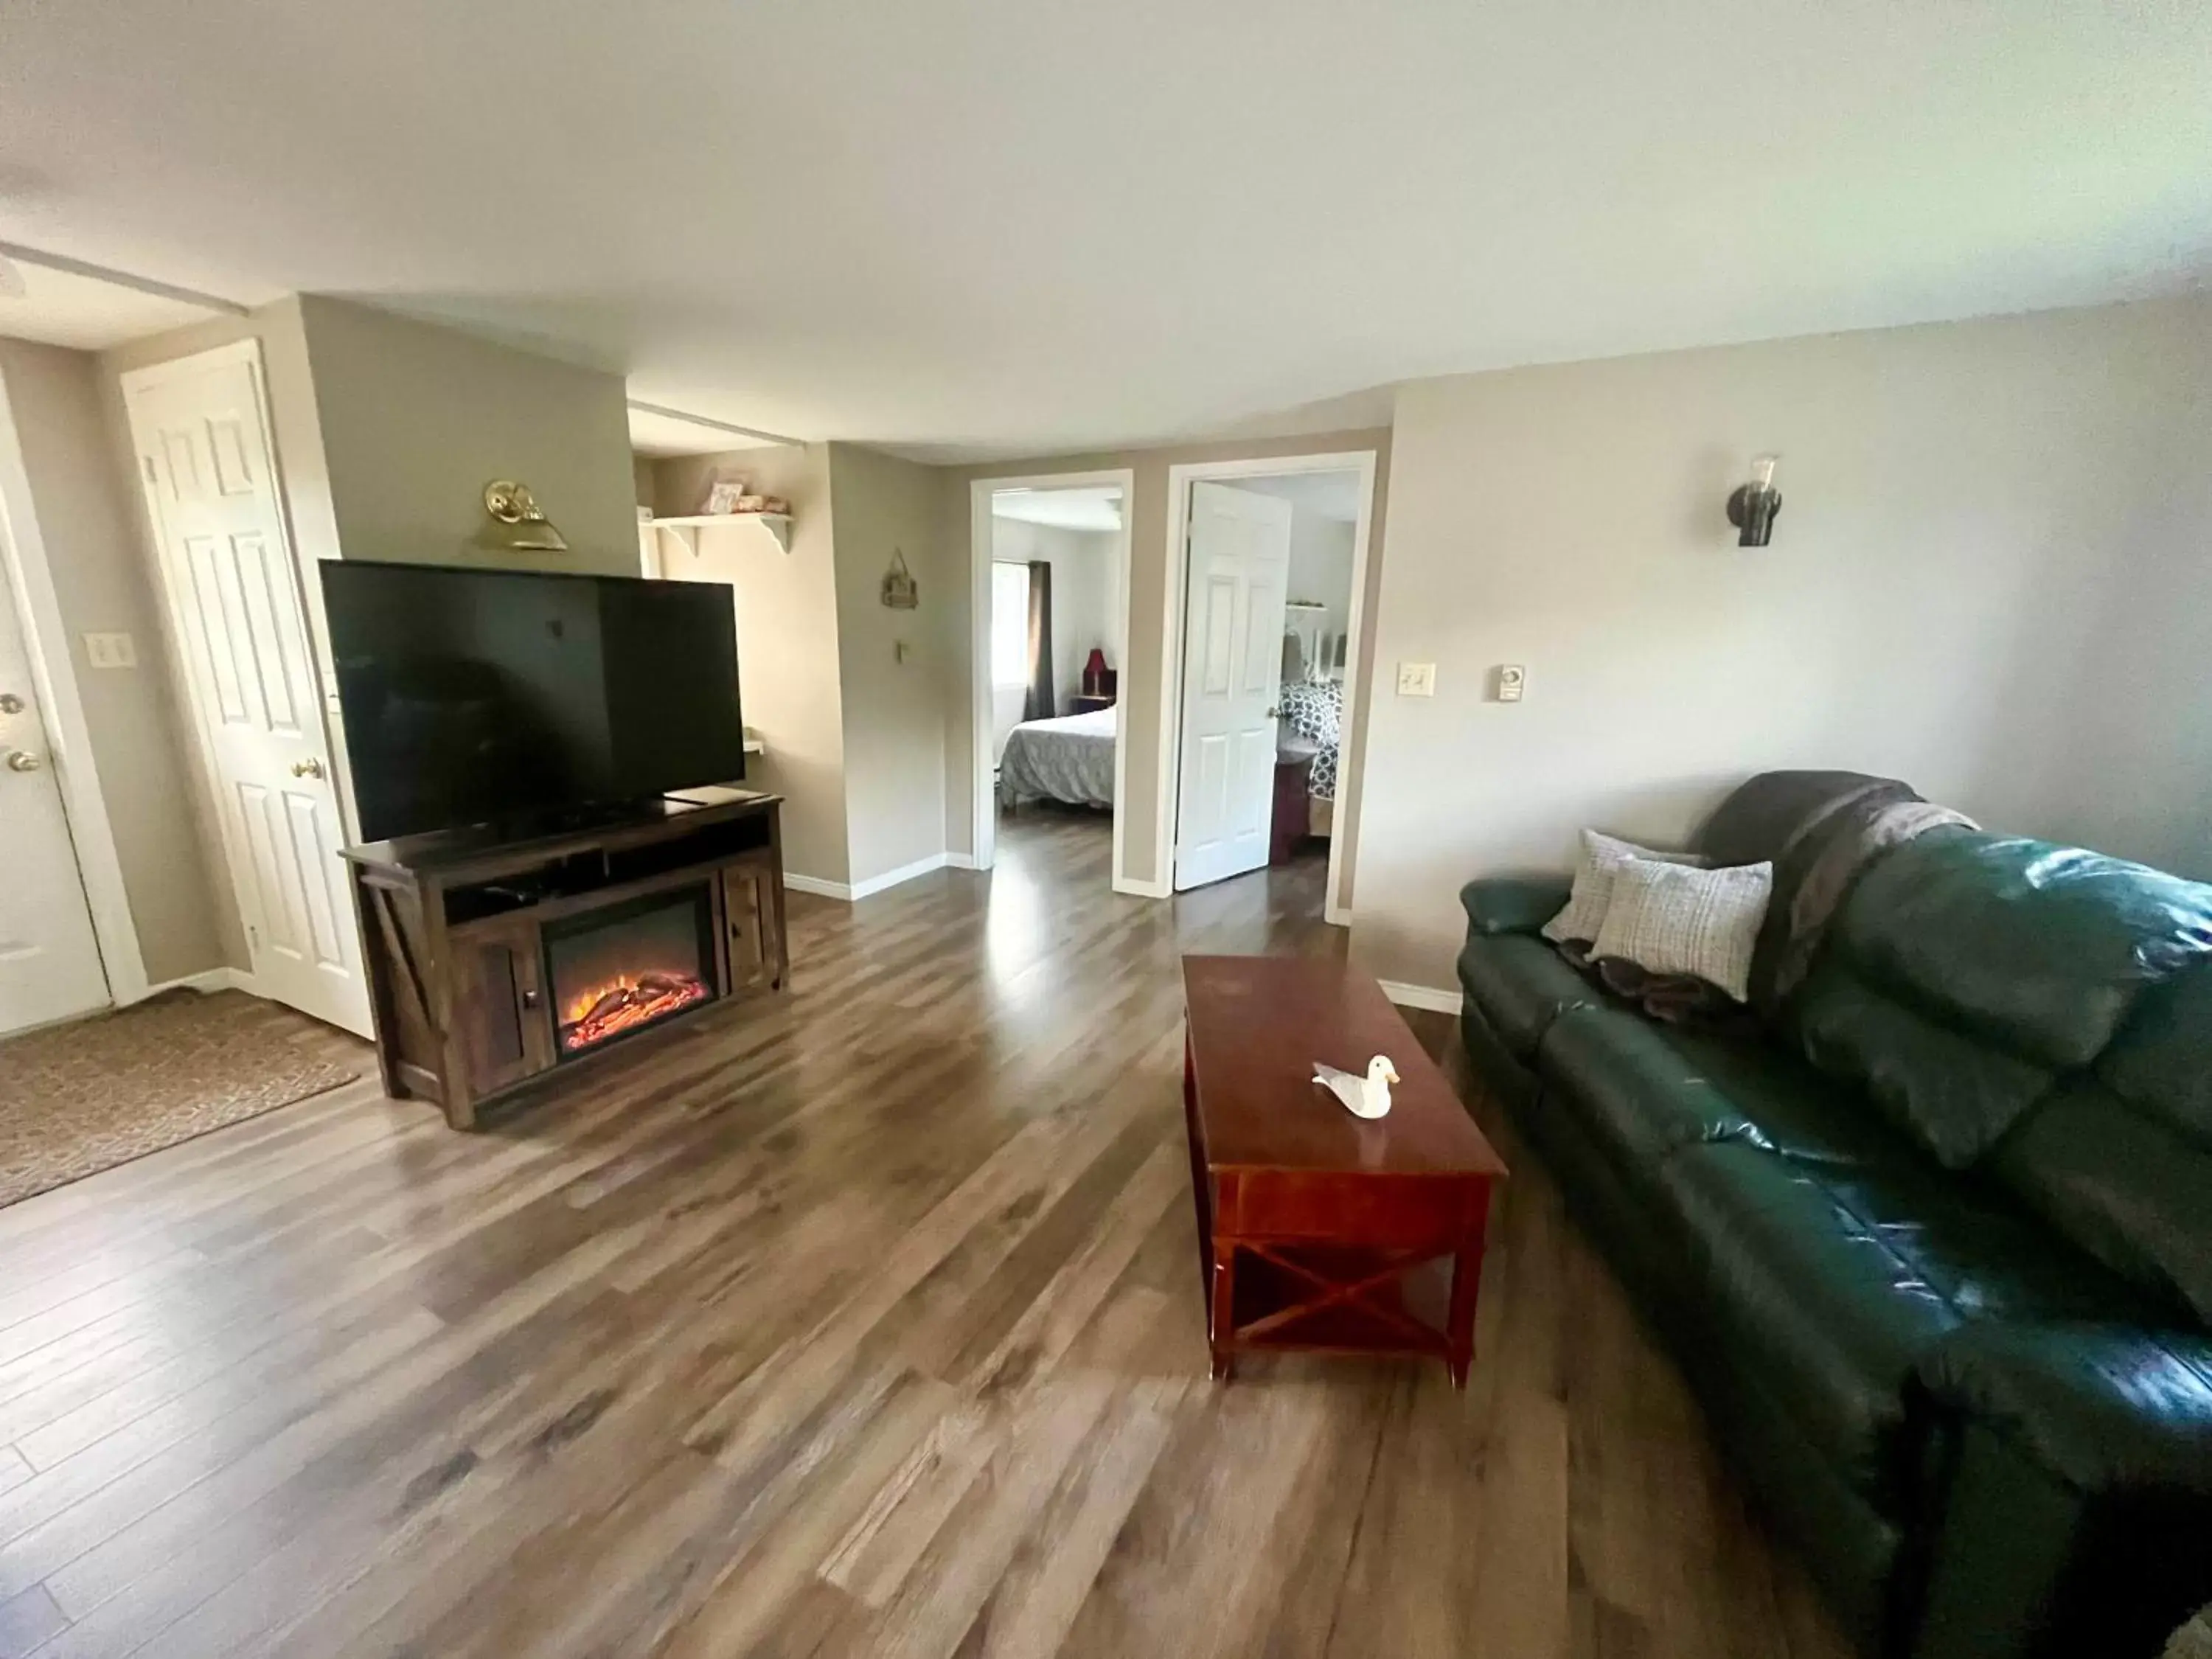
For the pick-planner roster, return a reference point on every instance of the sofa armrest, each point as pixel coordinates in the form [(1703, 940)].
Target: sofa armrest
[(1512, 904), (2071, 1500)]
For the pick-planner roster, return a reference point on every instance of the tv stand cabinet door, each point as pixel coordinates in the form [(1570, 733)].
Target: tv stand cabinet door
[(506, 1027), (751, 925)]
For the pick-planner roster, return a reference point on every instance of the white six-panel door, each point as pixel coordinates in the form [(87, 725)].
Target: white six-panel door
[(1239, 572), (243, 647), (50, 964)]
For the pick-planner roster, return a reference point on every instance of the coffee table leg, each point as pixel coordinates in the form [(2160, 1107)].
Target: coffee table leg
[(1221, 1321), (1467, 1286)]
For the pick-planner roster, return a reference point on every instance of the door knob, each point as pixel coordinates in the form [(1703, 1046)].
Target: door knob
[(1275, 713), (310, 768), (21, 760), (10, 704)]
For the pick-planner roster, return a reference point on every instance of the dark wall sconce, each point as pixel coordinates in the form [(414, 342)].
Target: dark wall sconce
[(1752, 508)]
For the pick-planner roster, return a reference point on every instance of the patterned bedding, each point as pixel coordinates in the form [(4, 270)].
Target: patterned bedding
[(1070, 759), (1314, 710)]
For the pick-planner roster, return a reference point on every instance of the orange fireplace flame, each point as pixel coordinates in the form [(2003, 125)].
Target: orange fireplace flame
[(624, 1004)]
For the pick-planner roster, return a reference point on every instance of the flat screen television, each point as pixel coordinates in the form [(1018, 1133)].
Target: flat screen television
[(506, 697)]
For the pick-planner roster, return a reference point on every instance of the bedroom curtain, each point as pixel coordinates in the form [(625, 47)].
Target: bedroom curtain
[(1039, 704)]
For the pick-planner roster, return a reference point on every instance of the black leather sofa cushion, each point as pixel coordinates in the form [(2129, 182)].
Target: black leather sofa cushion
[(1521, 985), (1835, 1282), (1954, 1095), (1654, 1087), (2158, 1060), (2039, 950), (2120, 1183)]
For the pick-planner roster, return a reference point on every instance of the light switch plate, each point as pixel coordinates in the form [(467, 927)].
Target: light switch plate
[(1416, 679), (1512, 681), (110, 651)]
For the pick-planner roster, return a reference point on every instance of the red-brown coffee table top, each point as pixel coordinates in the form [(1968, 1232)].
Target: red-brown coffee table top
[(1257, 1025)]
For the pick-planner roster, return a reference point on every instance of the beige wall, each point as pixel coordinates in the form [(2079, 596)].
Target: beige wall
[(894, 710), (787, 650), (1988, 578), (417, 419), (1148, 587), (81, 493)]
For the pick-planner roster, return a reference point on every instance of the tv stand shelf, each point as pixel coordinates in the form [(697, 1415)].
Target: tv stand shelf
[(459, 972)]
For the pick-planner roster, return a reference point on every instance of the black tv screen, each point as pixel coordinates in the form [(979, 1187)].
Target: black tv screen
[(476, 696)]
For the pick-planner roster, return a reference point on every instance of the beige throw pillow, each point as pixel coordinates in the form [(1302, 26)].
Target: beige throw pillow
[(1668, 919), (1602, 856)]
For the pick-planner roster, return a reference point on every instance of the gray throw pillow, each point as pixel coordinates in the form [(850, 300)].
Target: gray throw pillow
[(1602, 856), (1669, 919)]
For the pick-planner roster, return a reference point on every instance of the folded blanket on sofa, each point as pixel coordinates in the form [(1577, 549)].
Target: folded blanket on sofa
[(1818, 829)]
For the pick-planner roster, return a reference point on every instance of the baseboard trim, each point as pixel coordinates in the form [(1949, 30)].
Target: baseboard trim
[(859, 890), (1336, 915), (1420, 996), (1142, 889), (960, 860), (893, 878)]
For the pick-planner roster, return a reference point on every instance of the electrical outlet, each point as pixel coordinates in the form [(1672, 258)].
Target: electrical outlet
[(1416, 679), (1512, 681), (110, 651)]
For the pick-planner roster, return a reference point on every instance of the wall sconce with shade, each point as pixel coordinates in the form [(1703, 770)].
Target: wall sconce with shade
[(517, 526), (1753, 505)]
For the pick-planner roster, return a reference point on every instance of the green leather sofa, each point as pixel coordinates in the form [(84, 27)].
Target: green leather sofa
[(1934, 1248)]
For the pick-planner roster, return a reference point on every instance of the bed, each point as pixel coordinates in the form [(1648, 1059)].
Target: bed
[(1067, 759)]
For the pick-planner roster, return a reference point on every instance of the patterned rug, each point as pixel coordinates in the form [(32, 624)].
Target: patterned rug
[(83, 1097)]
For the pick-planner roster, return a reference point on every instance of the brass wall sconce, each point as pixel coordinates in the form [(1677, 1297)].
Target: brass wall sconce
[(1752, 507), (518, 525)]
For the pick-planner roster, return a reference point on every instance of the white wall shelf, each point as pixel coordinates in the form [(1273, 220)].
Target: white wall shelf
[(686, 528)]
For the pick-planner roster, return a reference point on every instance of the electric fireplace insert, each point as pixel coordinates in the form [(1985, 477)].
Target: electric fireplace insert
[(616, 971)]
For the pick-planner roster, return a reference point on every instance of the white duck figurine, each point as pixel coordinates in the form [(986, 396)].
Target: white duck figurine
[(1363, 1096)]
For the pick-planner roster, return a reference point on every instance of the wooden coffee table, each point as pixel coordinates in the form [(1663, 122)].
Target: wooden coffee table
[(1318, 1231)]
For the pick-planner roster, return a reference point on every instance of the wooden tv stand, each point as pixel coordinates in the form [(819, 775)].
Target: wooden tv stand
[(458, 929)]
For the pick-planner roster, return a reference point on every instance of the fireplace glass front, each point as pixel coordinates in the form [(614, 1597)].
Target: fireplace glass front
[(619, 971)]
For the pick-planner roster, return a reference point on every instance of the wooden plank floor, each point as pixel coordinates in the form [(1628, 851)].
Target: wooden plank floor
[(867, 1324)]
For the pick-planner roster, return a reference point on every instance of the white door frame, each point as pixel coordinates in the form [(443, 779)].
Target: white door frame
[(983, 836), (53, 667), (1180, 477), (247, 351)]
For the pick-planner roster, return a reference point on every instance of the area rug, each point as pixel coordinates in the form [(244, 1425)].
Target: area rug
[(85, 1097)]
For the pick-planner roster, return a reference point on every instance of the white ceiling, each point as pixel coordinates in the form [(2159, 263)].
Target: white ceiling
[(1088, 507), (64, 309), (1325, 494), (891, 223)]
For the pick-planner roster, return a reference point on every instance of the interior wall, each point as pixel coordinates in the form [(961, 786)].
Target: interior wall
[(1989, 579), (1086, 609), (890, 665), (1321, 565), (417, 419), (787, 650), (1148, 587), (82, 494)]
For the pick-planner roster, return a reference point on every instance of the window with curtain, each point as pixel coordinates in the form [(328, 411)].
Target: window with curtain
[(1009, 624)]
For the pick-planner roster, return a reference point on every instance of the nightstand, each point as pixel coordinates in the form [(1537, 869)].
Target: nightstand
[(1083, 704)]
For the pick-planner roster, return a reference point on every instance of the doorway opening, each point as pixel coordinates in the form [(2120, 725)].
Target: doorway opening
[(1261, 670), (1051, 558)]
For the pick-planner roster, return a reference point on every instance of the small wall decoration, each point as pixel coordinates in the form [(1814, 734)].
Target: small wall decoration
[(901, 591), (723, 496)]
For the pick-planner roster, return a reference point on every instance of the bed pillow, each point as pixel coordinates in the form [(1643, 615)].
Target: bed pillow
[(1672, 918), (1602, 856)]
